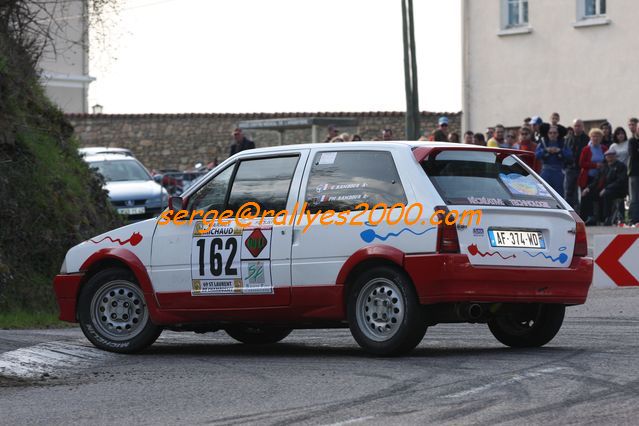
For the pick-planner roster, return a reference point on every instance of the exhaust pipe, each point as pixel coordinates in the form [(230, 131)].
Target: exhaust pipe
[(474, 312)]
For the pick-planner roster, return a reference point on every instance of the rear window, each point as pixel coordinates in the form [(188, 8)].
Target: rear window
[(483, 178)]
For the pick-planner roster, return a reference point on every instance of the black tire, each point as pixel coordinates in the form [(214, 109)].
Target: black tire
[(258, 335), (390, 320), (516, 331), (131, 330)]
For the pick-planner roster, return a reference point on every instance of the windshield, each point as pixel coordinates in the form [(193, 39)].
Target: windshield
[(483, 178), (120, 170)]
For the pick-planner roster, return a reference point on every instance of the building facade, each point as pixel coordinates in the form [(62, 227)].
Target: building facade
[(523, 58), (65, 63)]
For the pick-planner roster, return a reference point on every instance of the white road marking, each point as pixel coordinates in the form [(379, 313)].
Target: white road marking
[(514, 379), (51, 358)]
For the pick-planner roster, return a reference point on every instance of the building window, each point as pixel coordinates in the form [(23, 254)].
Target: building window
[(594, 8), (517, 13)]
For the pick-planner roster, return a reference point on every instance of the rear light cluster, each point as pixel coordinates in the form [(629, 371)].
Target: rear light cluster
[(581, 239), (447, 240)]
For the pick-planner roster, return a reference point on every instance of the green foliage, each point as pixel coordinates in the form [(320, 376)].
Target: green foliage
[(30, 319), (49, 199)]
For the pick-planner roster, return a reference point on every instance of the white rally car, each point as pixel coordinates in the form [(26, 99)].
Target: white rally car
[(515, 271)]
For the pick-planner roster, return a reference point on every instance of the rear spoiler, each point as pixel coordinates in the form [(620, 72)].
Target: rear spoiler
[(527, 157)]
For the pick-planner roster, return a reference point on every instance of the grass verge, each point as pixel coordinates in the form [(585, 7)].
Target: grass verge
[(27, 319)]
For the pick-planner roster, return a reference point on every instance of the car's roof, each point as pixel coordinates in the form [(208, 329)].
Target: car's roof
[(356, 145), (108, 157), (92, 150)]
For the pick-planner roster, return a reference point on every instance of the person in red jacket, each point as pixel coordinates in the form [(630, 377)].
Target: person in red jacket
[(591, 162), (527, 144)]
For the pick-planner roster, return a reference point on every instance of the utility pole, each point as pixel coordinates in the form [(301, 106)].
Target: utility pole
[(410, 72)]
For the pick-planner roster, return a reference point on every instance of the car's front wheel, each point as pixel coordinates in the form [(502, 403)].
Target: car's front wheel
[(113, 314), (529, 328), (258, 335), (384, 314)]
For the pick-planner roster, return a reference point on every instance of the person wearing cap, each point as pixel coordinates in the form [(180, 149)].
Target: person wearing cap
[(332, 133), (540, 129), (554, 155), (441, 134), (611, 186), (241, 142)]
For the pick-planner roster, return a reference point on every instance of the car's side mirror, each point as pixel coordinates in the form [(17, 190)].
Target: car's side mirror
[(176, 203), (158, 178)]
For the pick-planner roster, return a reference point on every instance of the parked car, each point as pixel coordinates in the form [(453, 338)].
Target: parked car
[(96, 150), (132, 190), (516, 271), (176, 182)]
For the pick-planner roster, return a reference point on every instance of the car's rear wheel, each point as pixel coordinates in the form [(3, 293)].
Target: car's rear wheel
[(384, 314), (527, 329), (113, 314), (258, 335)]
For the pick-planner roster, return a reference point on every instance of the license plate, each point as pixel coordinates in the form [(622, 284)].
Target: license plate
[(131, 210), (512, 238)]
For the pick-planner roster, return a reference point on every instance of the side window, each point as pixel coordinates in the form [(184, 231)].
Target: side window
[(212, 195), (265, 181), (340, 180)]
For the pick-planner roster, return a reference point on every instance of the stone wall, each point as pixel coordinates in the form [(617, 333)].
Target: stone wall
[(179, 141)]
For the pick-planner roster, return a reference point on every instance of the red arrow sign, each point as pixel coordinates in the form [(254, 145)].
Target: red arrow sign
[(608, 260)]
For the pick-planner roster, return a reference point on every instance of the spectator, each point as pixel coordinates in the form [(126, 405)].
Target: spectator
[(478, 139), (576, 144), (632, 126), (527, 144), (441, 134), (332, 132), (620, 144), (612, 185), (498, 139), (387, 134), (511, 139), (345, 137), (356, 138), (539, 128), (241, 142), (468, 138), (570, 132), (527, 121), (554, 121), (490, 132), (554, 155), (591, 162), (337, 139), (606, 128), (633, 176), (453, 137)]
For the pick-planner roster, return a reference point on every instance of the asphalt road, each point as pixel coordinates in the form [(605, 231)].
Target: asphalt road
[(459, 375)]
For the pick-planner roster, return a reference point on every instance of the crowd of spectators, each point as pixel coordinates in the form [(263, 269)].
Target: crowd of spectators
[(593, 171)]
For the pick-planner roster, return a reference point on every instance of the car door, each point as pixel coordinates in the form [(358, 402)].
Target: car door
[(339, 180), (217, 264)]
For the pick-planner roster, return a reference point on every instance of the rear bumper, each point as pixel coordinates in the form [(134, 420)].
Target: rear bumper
[(66, 289), (452, 278)]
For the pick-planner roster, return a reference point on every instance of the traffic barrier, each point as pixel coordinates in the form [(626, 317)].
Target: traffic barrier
[(616, 261)]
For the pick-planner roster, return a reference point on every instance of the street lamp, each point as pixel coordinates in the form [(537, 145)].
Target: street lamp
[(97, 109)]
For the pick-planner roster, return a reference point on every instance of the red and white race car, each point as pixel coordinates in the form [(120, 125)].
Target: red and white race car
[(387, 273)]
